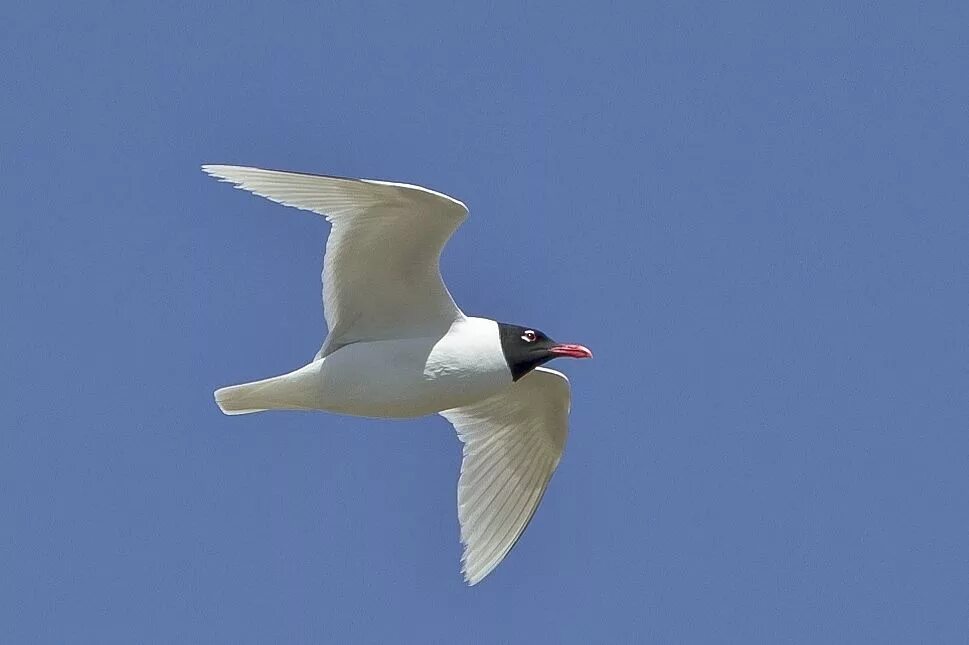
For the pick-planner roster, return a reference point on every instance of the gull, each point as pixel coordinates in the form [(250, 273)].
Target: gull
[(399, 347)]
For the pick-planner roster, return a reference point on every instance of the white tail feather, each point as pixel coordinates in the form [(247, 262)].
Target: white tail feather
[(236, 399), (299, 390)]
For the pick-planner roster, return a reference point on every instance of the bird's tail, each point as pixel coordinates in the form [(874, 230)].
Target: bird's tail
[(240, 399), (299, 390)]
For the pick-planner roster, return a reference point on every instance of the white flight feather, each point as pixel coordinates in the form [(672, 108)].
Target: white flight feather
[(513, 442), (381, 273)]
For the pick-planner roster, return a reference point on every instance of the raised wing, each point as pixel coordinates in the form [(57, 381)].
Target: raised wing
[(512, 443), (381, 271)]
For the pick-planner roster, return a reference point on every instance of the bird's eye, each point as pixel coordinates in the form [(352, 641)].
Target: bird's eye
[(529, 336)]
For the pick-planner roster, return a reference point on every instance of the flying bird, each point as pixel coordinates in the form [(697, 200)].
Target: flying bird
[(399, 347)]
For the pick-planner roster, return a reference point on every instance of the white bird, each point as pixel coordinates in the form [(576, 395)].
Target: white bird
[(398, 347)]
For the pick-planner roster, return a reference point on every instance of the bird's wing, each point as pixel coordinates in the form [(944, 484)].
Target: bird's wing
[(381, 273), (512, 443)]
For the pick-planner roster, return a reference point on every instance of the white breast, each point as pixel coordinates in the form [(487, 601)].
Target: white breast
[(415, 376)]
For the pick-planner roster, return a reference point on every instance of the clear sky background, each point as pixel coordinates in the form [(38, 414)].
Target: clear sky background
[(756, 215)]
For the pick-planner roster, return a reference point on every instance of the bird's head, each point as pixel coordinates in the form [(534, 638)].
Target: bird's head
[(526, 348)]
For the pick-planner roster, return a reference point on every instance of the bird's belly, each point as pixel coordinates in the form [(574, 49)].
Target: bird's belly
[(406, 378)]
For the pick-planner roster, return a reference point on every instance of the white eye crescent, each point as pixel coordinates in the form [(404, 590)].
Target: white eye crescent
[(529, 336)]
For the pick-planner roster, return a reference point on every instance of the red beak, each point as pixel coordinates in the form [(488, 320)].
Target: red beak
[(572, 351)]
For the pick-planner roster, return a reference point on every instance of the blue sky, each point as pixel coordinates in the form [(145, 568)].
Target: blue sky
[(756, 215)]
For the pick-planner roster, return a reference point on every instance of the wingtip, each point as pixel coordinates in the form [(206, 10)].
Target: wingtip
[(214, 170), (471, 580), (473, 575)]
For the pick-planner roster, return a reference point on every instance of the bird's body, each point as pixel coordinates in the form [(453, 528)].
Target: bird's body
[(395, 379), (399, 347)]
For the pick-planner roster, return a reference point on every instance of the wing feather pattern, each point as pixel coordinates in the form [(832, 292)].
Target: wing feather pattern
[(512, 444), (381, 272)]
